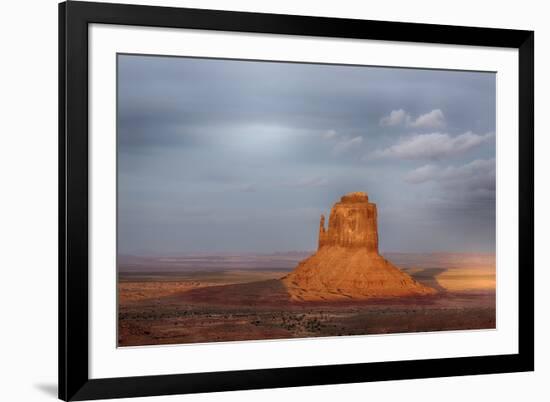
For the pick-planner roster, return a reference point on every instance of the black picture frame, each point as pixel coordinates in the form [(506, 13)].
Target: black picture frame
[(74, 381)]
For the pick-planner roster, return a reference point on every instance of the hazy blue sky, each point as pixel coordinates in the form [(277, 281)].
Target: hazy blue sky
[(241, 156)]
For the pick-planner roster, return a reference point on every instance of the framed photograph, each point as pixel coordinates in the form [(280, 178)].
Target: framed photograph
[(258, 200)]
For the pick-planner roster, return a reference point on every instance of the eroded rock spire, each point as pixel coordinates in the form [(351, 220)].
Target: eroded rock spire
[(347, 264)]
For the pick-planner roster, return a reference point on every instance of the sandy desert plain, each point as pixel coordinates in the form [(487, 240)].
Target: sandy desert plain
[(217, 298)]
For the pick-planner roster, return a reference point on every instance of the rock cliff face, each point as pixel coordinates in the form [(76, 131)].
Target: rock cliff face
[(352, 224), (347, 264)]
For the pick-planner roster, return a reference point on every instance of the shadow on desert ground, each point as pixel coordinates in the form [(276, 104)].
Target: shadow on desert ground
[(428, 277)]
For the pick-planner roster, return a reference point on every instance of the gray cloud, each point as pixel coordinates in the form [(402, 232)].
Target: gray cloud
[(248, 188), (309, 182), (433, 146), (395, 118), (472, 182), (477, 172), (453, 173), (434, 119), (346, 144), (330, 134), (342, 144)]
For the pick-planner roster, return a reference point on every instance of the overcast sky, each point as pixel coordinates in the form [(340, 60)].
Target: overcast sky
[(242, 156)]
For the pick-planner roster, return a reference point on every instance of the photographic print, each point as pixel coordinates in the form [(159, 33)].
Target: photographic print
[(273, 200)]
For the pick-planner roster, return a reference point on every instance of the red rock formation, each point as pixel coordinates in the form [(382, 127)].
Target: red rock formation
[(352, 224), (347, 264)]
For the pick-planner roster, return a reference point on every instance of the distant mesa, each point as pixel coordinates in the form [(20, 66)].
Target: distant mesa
[(347, 264)]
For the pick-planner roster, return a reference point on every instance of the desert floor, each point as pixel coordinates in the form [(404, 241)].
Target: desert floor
[(225, 303)]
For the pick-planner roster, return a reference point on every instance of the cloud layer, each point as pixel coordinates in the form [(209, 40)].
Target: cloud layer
[(473, 182), (233, 156)]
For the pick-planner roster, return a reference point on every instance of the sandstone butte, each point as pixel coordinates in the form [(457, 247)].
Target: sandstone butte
[(347, 264)]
